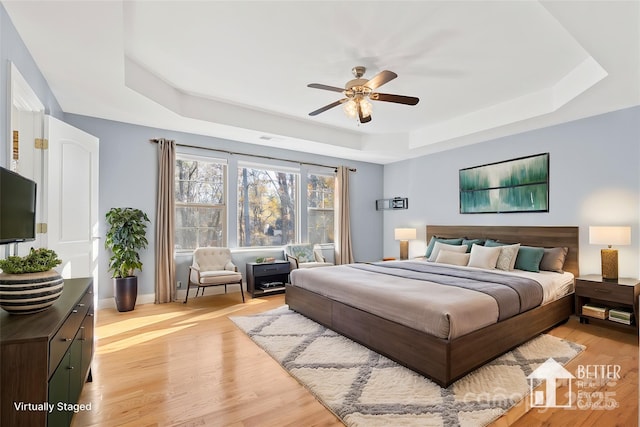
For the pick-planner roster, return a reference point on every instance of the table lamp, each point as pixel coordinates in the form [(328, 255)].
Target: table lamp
[(609, 236), (404, 235)]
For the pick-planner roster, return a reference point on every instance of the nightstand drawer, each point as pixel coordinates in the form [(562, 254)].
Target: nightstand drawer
[(271, 269), (614, 292)]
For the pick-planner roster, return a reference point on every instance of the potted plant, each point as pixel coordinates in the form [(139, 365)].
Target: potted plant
[(29, 284), (125, 238)]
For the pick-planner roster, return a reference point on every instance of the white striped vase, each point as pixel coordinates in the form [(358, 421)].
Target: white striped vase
[(30, 292)]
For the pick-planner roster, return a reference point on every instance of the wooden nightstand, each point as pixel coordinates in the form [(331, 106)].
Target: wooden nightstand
[(622, 294), (267, 278)]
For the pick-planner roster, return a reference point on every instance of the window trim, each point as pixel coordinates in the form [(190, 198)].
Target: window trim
[(243, 164), (224, 207), (324, 173)]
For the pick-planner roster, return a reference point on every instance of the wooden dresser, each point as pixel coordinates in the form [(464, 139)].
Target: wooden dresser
[(45, 359)]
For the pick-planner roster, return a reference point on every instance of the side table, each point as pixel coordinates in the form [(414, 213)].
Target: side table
[(267, 278), (622, 294)]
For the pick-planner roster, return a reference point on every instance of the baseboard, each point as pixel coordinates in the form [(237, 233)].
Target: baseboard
[(141, 299), (151, 298)]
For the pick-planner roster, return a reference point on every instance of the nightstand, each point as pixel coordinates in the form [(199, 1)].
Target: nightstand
[(267, 278), (620, 294)]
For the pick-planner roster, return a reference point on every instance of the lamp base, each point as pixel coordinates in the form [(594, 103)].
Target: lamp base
[(404, 249), (609, 264)]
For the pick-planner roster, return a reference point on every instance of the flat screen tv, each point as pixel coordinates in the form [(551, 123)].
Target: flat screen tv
[(17, 207)]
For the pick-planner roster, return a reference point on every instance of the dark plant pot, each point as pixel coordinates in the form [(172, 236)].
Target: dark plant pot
[(125, 291)]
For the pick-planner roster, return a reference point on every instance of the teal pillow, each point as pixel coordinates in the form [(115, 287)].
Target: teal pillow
[(470, 242), (435, 239), (529, 258), (492, 243)]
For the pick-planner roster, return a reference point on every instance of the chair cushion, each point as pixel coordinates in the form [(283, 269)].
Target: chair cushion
[(304, 253), (219, 277)]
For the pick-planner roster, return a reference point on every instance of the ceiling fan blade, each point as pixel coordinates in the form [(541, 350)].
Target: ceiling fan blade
[(328, 107), (362, 118), (325, 87), (399, 99), (381, 78)]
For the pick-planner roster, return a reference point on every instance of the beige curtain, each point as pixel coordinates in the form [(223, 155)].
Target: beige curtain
[(344, 251), (165, 219)]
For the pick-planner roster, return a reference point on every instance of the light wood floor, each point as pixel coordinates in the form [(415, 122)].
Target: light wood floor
[(188, 365)]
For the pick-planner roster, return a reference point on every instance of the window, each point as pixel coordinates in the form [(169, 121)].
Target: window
[(320, 208), (267, 206), (200, 202)]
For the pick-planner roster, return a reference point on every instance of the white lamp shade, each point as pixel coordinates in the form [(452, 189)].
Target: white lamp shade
[(610, 235), (405, 233)]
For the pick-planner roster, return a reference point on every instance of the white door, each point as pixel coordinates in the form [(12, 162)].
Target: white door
[(71, 168)]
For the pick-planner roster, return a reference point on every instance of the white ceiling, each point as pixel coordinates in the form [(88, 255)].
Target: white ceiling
[(239, 70)]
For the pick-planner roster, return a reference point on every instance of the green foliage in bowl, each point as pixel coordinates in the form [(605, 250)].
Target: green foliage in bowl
[(37, 261)]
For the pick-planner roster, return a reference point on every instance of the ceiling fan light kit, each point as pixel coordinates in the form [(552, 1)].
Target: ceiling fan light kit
[(351, 108), (358, 92)]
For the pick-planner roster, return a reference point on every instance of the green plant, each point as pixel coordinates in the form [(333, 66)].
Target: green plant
[(37, 261), (126, 236)]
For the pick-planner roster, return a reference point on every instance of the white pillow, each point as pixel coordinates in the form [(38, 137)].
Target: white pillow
[(453, 258), (507, 258), (439, 246), (484, 257)]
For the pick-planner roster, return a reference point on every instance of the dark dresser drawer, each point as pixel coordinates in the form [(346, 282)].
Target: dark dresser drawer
[(60, 343)]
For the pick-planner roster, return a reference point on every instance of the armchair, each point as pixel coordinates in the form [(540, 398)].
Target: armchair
[(305, 256), (213, 267)]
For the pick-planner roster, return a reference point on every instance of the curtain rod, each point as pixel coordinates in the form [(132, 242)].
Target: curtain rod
[(155, 140)]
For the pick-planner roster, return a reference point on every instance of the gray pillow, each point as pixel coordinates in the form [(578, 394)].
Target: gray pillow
[(553, 259)]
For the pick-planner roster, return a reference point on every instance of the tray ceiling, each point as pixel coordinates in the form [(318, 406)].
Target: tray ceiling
[(239, 70)]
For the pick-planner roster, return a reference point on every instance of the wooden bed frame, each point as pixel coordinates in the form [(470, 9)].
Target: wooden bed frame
[(444, 360)]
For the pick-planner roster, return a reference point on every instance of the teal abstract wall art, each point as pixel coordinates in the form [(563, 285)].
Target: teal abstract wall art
[(517, 185)]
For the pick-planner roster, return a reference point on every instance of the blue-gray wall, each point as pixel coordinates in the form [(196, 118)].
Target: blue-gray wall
[(128, 174), (594, 180)]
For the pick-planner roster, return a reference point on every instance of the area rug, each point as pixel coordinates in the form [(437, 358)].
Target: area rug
[(363, 388)]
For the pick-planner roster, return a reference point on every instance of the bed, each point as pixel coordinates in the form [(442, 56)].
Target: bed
[(442, 354)]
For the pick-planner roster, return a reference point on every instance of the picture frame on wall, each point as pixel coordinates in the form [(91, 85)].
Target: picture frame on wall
[(516, 185)]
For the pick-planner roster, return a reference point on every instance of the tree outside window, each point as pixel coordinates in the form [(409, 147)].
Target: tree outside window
[(320, 208), (200, 198), (267, 201)]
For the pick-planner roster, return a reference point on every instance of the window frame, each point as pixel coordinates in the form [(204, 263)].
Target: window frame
[(297, 194), (223, 207), (333, 175)]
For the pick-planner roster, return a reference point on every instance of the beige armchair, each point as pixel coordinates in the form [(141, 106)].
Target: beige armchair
[(213, 267), (305, 256)]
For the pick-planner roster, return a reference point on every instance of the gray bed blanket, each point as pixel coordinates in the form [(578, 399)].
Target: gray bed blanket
[(513, 294)]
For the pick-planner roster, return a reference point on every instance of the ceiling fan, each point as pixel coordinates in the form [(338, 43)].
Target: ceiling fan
[(359, 91)]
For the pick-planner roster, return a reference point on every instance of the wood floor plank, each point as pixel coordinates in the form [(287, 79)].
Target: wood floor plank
[(185, 365)]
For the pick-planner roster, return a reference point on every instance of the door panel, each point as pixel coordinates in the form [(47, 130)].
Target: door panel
[(72, 197)]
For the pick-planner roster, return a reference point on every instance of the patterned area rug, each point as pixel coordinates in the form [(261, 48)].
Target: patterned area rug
[(363, 388)]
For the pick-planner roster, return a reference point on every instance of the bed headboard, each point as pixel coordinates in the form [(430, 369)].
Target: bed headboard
[(531, 236)]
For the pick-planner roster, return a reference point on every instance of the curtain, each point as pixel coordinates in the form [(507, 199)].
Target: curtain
[(165, 220), (344, 252)]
